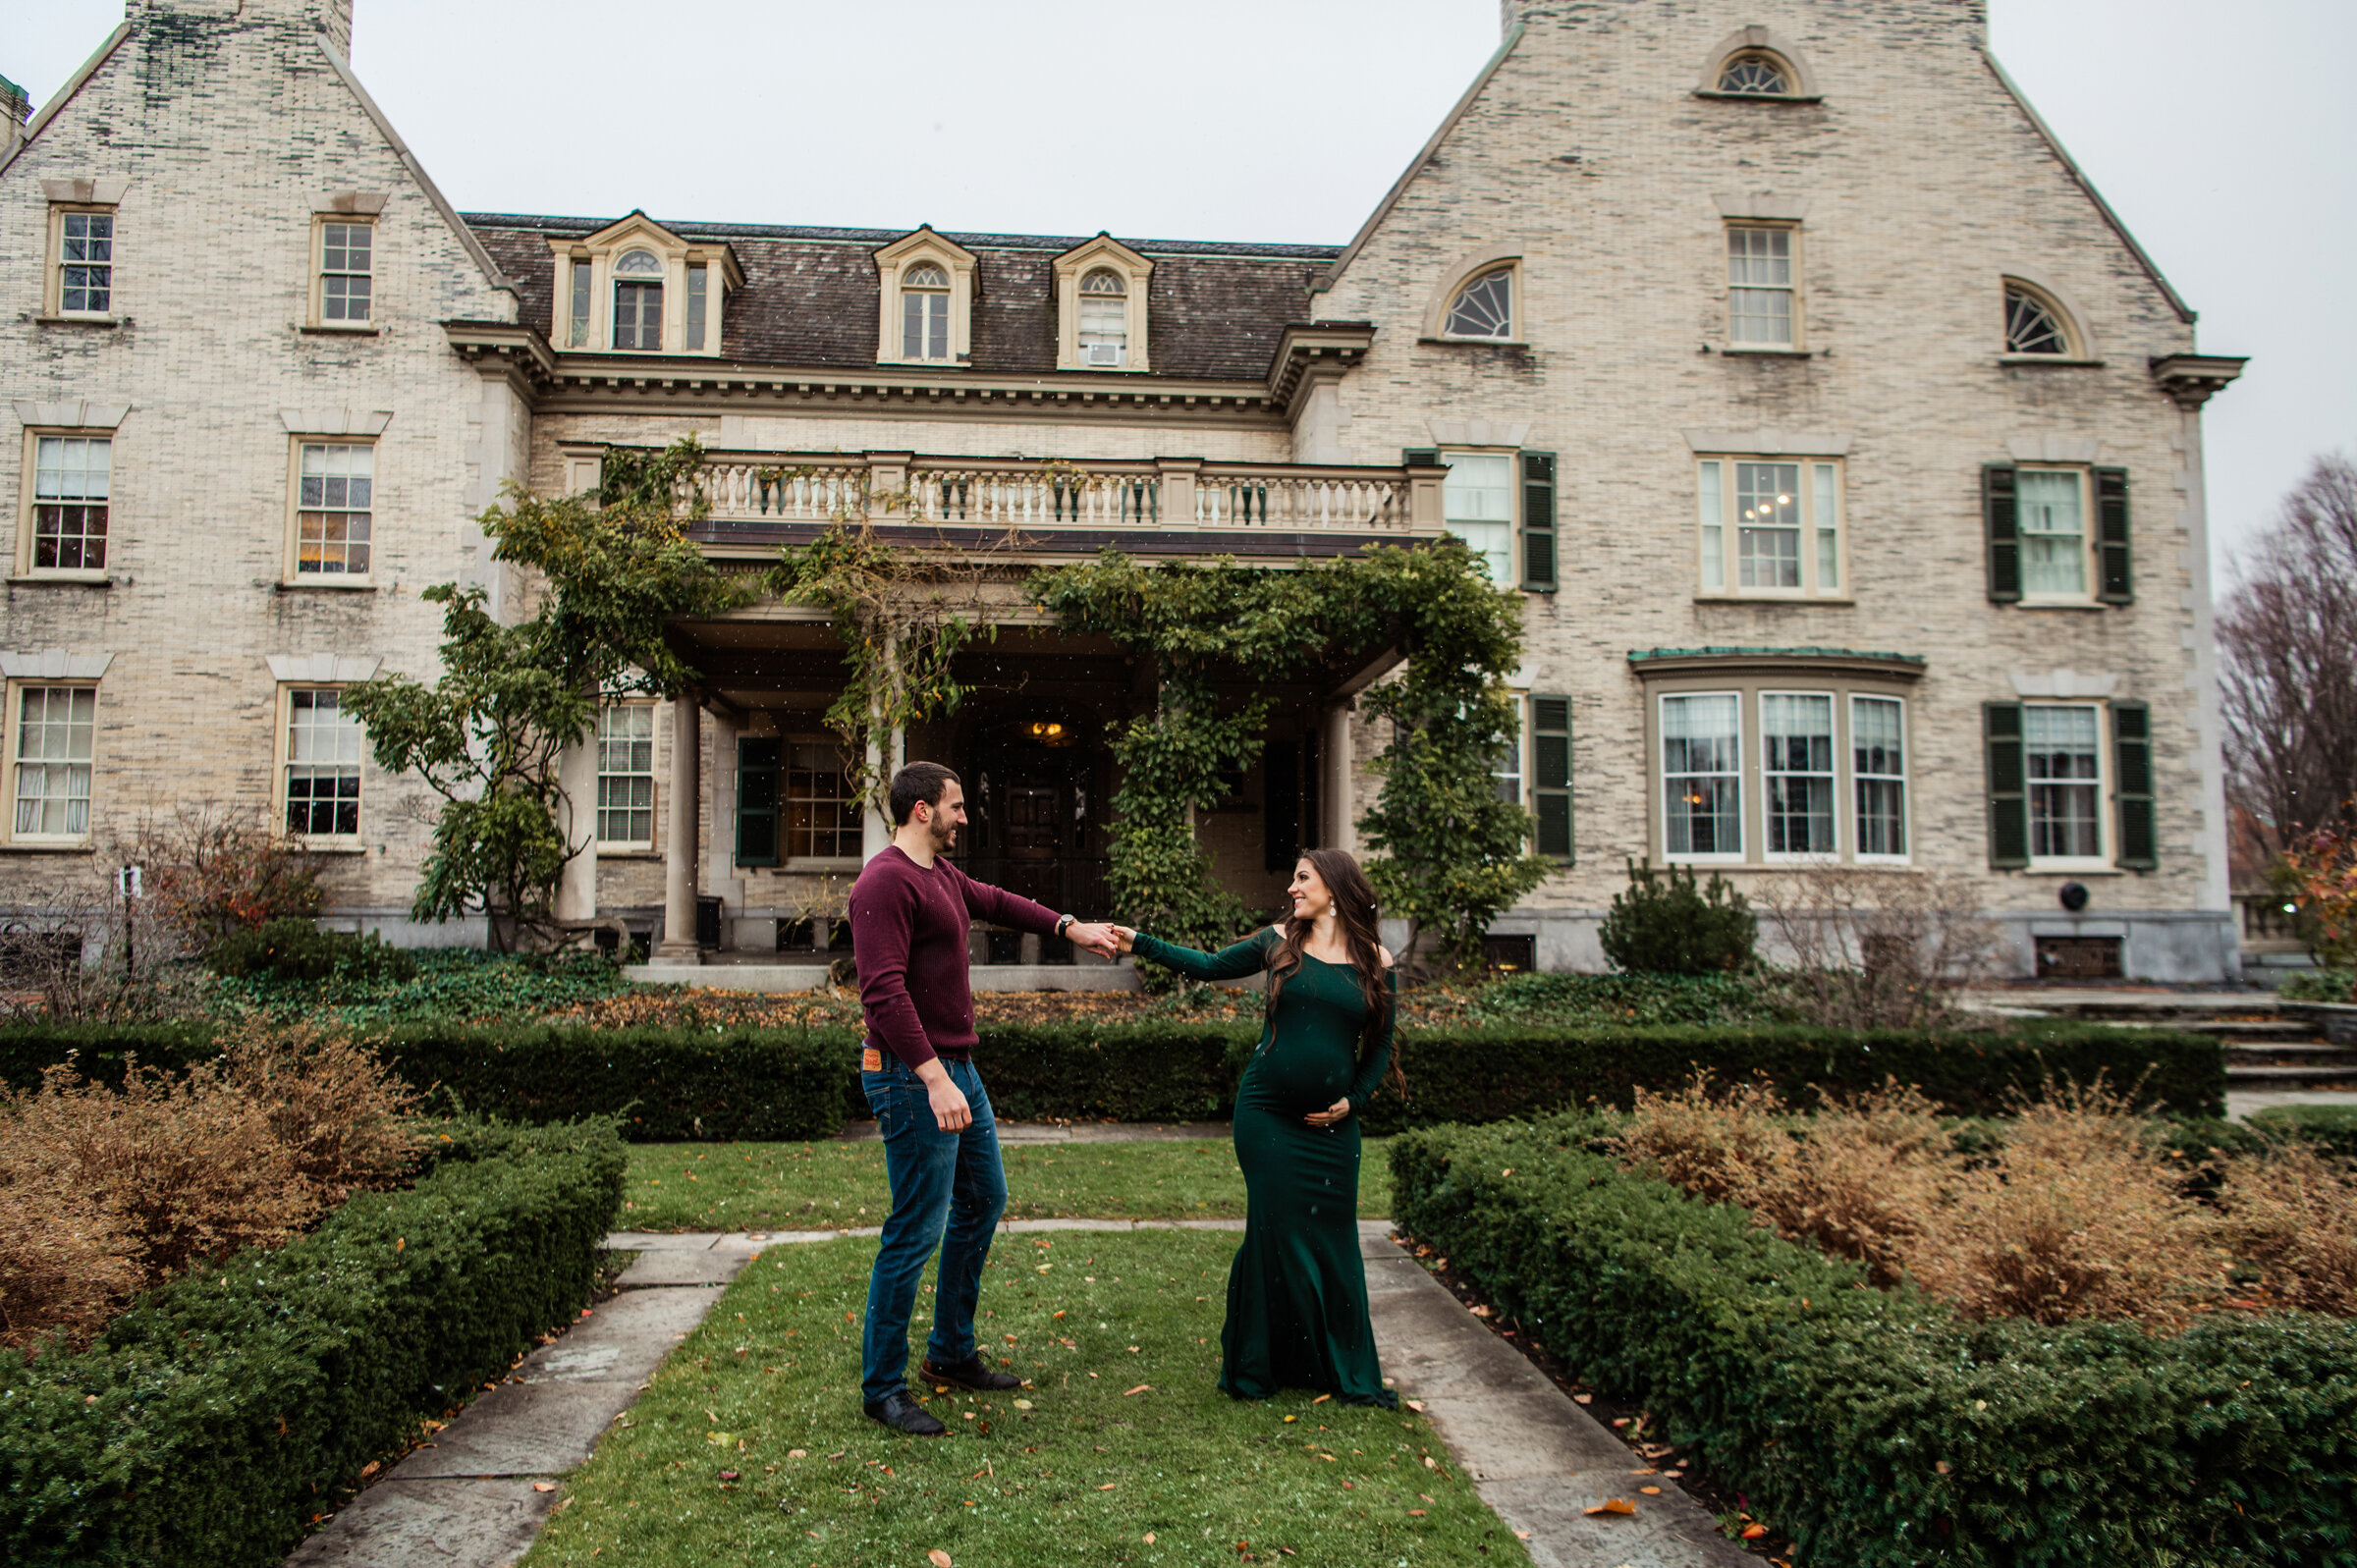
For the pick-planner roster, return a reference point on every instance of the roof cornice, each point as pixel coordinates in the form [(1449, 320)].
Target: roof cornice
[(1727, 660), (1311, 352), (65, 94)]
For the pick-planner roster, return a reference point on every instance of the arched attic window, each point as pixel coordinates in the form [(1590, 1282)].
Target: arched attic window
[(925, 313), (1104, 319), (1756, 73), (638, 300), (1484, 307), (2037, 324)]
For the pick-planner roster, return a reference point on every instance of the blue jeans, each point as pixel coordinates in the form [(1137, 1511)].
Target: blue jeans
[(937, 1178)]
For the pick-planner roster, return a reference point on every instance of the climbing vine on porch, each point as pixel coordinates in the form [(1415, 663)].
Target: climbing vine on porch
[(1450, 853)]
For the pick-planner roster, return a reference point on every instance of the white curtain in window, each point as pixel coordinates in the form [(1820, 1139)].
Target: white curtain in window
[(1478, 504), (1701, 782), (2054, 532)]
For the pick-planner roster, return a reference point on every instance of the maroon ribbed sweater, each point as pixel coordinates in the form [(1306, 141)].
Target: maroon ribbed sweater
[(908, 935)]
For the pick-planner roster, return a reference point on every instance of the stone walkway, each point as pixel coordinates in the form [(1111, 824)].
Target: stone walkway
[(473, 1498)]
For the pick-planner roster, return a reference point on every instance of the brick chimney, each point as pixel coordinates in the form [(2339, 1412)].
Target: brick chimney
[(332, 18), (14, 106)]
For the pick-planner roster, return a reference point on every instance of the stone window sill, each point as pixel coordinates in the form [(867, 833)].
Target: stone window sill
[(819, 863), (1478, 343), (338, 329), (2060, 604), (2069, 869), (1839, 600), (1760, 97), (331, 846), (2055, 360), (87, 579), (39, 847), (81, 321), (1767, 351), (628, 852), (326, 585)]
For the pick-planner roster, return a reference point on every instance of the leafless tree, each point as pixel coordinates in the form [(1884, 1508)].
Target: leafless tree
[(2288, 633), (1877, 948)]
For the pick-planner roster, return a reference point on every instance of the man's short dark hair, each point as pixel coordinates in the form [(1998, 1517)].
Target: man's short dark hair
[(918, 782)]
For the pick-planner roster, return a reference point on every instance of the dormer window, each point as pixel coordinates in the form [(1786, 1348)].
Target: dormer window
[(1101, 294), (1104, 320), (1757, 75), (636, 288), (638, 300), (926, 312), (1483, 307)]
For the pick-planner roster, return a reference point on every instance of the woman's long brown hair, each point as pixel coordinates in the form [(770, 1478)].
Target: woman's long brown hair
[(1355, 912)]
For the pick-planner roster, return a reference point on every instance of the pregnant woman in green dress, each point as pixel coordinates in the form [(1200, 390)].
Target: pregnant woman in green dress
[(1297, 1292)]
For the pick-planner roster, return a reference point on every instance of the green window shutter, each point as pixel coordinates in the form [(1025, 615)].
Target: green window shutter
[(1551, 774), (2132, 787), (2115, 584), (757, 801), (2009, 792), (2003, 512), (1421, 458), (1538, 521)]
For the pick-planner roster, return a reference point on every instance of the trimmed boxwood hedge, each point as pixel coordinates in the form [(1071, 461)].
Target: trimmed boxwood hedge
[(1882, 1429), (746, 1083), (226, 1409)]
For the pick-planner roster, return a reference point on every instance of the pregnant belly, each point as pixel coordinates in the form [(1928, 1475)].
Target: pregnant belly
[(1299, 1080)]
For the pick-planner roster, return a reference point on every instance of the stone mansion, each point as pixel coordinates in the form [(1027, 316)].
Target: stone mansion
[(1842, 449)]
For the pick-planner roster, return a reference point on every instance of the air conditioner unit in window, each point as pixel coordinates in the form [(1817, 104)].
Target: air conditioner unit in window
[(1104, 353)]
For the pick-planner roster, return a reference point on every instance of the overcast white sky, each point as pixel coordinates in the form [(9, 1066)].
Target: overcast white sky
[(2220, 129)]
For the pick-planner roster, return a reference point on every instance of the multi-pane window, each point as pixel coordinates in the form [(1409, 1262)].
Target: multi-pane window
[(926, 312), (626, 775), (1702, 775), (2032, 326), (1762, 74), (333, 509), (323, 765), (1477, 500), (2054, 532), (698, 304), (638, 300), (1879, 775), (71, 478), (1484, 307), (1104, 319), (822, 808), (1759, 287), (1769, 527), (2064, 756), (582, 293), (55, 725), (1507, 770), (347, 252), (86, 261), (1796, 767)]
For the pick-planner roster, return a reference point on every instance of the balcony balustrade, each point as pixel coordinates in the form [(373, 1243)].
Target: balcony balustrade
[(755, 498)]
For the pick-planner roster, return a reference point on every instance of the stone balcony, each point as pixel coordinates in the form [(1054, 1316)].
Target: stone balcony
[(1032, 506)]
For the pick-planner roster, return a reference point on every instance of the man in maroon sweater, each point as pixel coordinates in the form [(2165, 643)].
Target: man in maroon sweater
[(910, 910)]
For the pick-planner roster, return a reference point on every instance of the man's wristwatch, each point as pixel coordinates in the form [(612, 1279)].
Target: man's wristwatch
[(1063, 924)]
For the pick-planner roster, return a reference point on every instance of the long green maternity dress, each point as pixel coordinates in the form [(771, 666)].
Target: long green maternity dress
[(1297, 1292)]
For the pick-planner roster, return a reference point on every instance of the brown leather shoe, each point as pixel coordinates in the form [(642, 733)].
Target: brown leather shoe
[(971, 1373)]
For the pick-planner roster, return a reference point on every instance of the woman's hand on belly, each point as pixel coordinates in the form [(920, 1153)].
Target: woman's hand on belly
[(1331, 1114)]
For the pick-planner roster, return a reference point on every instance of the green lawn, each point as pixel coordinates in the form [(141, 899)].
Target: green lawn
[(822, 1186), (749, 1446)]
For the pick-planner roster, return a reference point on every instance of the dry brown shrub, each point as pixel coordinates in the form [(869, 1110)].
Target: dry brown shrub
[(341, 1114), (187, 1164), (1875, 949), (65, 1261), (2293, 1212), (1860, 1179), (104, 1193)]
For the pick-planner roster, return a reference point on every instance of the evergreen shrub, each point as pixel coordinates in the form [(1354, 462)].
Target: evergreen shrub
[(211, 1422), (1666, 924), (1879, 1428), (292, 949)]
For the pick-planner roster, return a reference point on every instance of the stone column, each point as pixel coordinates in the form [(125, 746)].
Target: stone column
[(680, 847), (1340, 807), (577, 820)]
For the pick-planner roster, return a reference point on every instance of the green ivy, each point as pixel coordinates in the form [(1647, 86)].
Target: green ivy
[(1450, 853)]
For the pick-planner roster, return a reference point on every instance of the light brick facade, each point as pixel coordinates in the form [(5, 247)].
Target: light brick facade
[(1909, 180)]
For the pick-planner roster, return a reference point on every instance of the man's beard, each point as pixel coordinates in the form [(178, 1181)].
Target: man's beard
[(944, 836)]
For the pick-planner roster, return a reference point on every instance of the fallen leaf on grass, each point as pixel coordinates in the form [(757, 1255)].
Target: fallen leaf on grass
[(1022, 1404), (1417, 1405), (1754, 1531), (1614, 1505), (1149, 1537), (1107, 1487), (937, 1558), (544, 1485), (1321, 1400), (1583, 1399), (1139, 1389), (798, 1454)]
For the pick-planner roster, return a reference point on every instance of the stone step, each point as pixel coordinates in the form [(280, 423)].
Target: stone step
[(2290, 1052), (2243, 1077)]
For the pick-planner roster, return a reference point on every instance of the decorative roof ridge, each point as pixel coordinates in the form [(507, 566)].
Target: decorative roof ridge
[(1730, 651), (1051, 244)]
